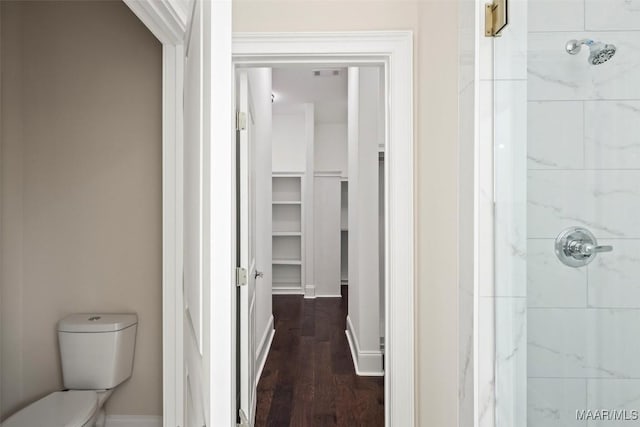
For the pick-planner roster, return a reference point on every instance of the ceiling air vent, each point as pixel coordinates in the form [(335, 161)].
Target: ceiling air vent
[(326, 72)]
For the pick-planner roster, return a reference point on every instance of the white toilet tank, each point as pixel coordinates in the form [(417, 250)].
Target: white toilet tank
[(96, 350)]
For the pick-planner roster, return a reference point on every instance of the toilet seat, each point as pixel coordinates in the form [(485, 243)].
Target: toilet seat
[(60, 409)]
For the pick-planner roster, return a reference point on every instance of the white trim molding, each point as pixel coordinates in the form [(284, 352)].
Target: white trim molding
[(287, 291), (310, 291), (263, 348), (367, 363), (392, 50), (222, 234), (133, 421), (166, 19)]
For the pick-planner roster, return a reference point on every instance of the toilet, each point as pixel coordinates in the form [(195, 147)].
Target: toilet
[(97, 355)]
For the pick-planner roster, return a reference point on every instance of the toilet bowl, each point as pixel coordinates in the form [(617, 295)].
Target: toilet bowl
[(97, 355)]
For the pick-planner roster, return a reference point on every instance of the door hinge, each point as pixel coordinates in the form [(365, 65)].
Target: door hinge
[(241, 120), (241, 276), (495, 18)]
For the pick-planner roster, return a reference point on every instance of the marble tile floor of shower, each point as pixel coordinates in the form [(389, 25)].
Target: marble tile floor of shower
[(309, 379)]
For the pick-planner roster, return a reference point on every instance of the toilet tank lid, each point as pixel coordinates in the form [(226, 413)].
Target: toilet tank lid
[(96, 322)]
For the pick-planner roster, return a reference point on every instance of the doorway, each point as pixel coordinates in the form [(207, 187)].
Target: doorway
[(357, 50), (303, 132)]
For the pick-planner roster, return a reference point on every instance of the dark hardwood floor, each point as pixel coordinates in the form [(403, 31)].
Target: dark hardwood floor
[(309, 379)]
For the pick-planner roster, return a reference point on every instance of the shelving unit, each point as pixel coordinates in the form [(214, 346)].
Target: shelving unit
[(287, 262), (287, 234)]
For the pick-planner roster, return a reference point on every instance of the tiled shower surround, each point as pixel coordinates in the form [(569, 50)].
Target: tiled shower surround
[(583, 168)]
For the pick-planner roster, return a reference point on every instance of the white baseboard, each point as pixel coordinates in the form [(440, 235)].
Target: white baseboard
[(367, 363), (287, 291), (310, 291), (134, 421), (264, 347)]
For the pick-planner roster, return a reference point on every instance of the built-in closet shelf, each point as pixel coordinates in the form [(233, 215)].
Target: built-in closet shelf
[(287, 262), (286, 233), (287, 188), (285, 284)]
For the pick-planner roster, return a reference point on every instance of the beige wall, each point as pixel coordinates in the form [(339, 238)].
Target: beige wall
[(81, 189), (435, 25)]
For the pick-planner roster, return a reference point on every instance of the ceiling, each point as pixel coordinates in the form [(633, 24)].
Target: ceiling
[(299, 85)]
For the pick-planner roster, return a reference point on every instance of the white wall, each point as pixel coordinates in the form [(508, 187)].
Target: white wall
[(327, 93), (260, 86), (309, 201), (363, 324), (331, 147), (330, 158), (289, 139), (327, 236)]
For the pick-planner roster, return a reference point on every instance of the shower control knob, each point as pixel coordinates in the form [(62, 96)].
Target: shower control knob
[(577, 246), (581, 249)]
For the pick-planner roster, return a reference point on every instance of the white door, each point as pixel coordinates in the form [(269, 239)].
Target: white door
[(196, 331), (246, 249)]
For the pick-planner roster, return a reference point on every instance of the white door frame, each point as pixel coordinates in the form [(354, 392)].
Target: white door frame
[(167, 19), (394, 51)]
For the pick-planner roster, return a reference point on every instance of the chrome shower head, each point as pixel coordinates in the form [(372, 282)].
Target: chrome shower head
[(600, 52)]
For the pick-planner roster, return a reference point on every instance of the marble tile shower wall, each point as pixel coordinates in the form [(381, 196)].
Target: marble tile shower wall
[(583, 158)]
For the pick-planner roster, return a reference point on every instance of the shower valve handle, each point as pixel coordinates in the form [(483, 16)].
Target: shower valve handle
[(577, 247), (581, 248)]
